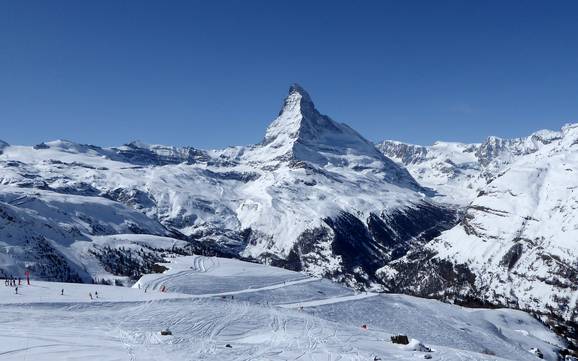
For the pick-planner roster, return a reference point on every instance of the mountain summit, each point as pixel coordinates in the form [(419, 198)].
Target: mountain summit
[(301, 132)]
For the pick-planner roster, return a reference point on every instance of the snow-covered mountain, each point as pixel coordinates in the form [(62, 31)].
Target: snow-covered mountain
[(517, 242), (314, 195), (459, 171)]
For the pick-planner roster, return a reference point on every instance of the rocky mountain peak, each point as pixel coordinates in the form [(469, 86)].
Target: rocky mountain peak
[(298, 97), (302, 132), (297, 119)]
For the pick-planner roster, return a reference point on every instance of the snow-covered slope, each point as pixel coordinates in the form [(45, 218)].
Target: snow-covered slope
[(260, 312), (313, 195), (517, 243)]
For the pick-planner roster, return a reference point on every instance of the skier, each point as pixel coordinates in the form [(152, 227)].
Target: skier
[(27, 274), (16, 289), (19, 281), (96, 294), (90, 295), (62, 292)]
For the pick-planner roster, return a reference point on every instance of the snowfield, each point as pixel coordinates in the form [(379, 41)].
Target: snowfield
[(261, 312)]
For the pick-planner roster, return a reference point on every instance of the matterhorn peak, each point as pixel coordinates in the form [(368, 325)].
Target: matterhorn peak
[(297, 115), (297, 100), (301, 133), (298, 104)]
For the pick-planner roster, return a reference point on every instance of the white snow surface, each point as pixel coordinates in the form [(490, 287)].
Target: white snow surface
[(243, 311)]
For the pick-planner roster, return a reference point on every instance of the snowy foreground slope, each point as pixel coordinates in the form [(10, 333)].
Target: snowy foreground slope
[(261, 312), (313, 196), (517, 243)]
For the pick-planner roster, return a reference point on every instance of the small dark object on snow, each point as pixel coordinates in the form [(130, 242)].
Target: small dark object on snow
[(228, 345), (400, 339), (427, 356), (536, 351), (166, 332)]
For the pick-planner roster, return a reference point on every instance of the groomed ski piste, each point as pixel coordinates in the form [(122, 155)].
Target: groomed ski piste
[(223, 309)]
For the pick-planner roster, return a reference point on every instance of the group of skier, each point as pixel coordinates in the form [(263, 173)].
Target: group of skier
[(16, 282), (12, 282)]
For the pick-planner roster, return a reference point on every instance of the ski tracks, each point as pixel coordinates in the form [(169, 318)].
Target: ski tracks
[(327, 301)]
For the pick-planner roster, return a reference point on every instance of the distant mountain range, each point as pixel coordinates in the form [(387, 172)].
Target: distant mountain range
[(493, 223)]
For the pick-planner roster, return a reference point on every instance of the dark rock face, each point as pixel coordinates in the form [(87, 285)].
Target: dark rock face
[(363, 246), (134, 198), (407, 153), (41, 146), (159, 155), (512, 256), (423, 275)]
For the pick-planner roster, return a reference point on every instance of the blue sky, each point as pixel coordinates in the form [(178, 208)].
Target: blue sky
[(214, 73)]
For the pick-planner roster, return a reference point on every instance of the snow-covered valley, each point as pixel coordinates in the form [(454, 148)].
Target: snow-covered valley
[(223, 309)]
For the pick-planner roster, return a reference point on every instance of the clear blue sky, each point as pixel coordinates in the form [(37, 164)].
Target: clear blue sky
[(214, 73)]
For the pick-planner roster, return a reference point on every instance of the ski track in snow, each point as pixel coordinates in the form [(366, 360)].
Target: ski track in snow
[(328, 301), (58, 328)]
